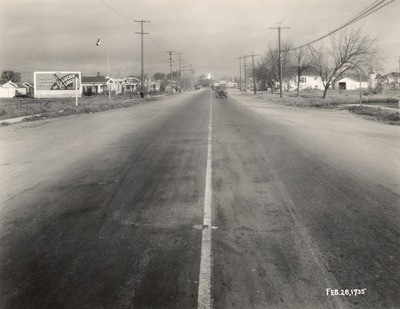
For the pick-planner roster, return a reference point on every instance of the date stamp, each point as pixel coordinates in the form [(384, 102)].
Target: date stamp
[(345, 292)]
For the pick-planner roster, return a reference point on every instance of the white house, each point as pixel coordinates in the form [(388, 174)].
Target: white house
[(97, 84), (351, 83), (231, 84), (152, 86), (310, 79), (11, 90), (132, 83), (392, 78), (119, 86)]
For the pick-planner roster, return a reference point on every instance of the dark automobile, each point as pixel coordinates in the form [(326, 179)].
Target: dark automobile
[(220, 91)]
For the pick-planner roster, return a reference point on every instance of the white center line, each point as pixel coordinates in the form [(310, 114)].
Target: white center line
[(204, 294)]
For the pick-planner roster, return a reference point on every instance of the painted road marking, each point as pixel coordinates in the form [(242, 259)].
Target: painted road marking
[(204, 293)]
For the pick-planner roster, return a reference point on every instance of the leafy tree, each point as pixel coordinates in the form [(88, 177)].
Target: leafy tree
[(159, 76), (174, 75), (9, 75), (204, 81)]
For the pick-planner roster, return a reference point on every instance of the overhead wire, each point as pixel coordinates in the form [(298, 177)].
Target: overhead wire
[(375, 6), (291, 12), (123, 15), (127, 11)]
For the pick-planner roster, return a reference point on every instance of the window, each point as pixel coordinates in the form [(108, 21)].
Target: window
[(303, 80)]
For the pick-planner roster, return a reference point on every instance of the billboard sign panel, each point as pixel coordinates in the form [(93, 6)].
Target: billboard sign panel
[(57, 84)]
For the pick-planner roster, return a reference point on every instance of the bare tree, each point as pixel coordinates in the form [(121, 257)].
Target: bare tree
[(287, 69), (350, 50), (301, 62), (267, 70)]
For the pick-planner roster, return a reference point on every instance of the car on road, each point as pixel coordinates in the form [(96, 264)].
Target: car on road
[(220, 91)]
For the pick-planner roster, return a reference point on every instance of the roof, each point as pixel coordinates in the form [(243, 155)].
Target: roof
[(355, 78), (15, 85), (119, 80), (310, 72), (133, 79), (393, 74), (95, 79)]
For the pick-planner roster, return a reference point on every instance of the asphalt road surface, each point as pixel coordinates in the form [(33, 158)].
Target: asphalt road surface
[(194, 201)]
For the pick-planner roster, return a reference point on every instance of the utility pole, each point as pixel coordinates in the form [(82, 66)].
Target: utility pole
[(360, 86), (240, 73), (398, 60), (179, 72), (254, 75), (191, 72), (184, 84), (142, 33), (280, 56), (170, 68), (245, 75), (254, 72)]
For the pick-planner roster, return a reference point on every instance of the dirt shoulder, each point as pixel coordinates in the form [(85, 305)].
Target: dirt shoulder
[(381, 107)]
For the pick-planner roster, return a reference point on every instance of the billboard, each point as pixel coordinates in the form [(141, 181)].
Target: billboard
[(57, 84)]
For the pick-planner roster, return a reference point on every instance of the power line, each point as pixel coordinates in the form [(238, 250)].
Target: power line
[(291, 12), (375, 6), (125, 17), (134, 9)]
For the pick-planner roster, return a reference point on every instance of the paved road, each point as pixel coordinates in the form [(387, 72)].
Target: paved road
[(108, 210)]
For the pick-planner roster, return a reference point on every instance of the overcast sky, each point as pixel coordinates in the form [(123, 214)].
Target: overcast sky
[(45, 35)]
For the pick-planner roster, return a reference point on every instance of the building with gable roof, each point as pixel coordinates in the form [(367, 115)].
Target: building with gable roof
[(97, 84), (11, 90)]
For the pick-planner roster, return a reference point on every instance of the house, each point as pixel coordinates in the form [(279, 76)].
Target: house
[(97, 84), (29, 89), (309, 79), (133, 84), (151, 86), (167, 85), (11, 90), (351, 83), (119, 86), (392, 78), (231, 84)]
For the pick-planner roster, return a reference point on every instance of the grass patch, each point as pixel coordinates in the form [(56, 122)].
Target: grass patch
[(383, 115), (347, 100), (56, 107)]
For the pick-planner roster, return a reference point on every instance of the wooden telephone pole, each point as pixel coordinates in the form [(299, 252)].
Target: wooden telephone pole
[(279, 28), (240, 72), (142, 33), (170, 69)]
